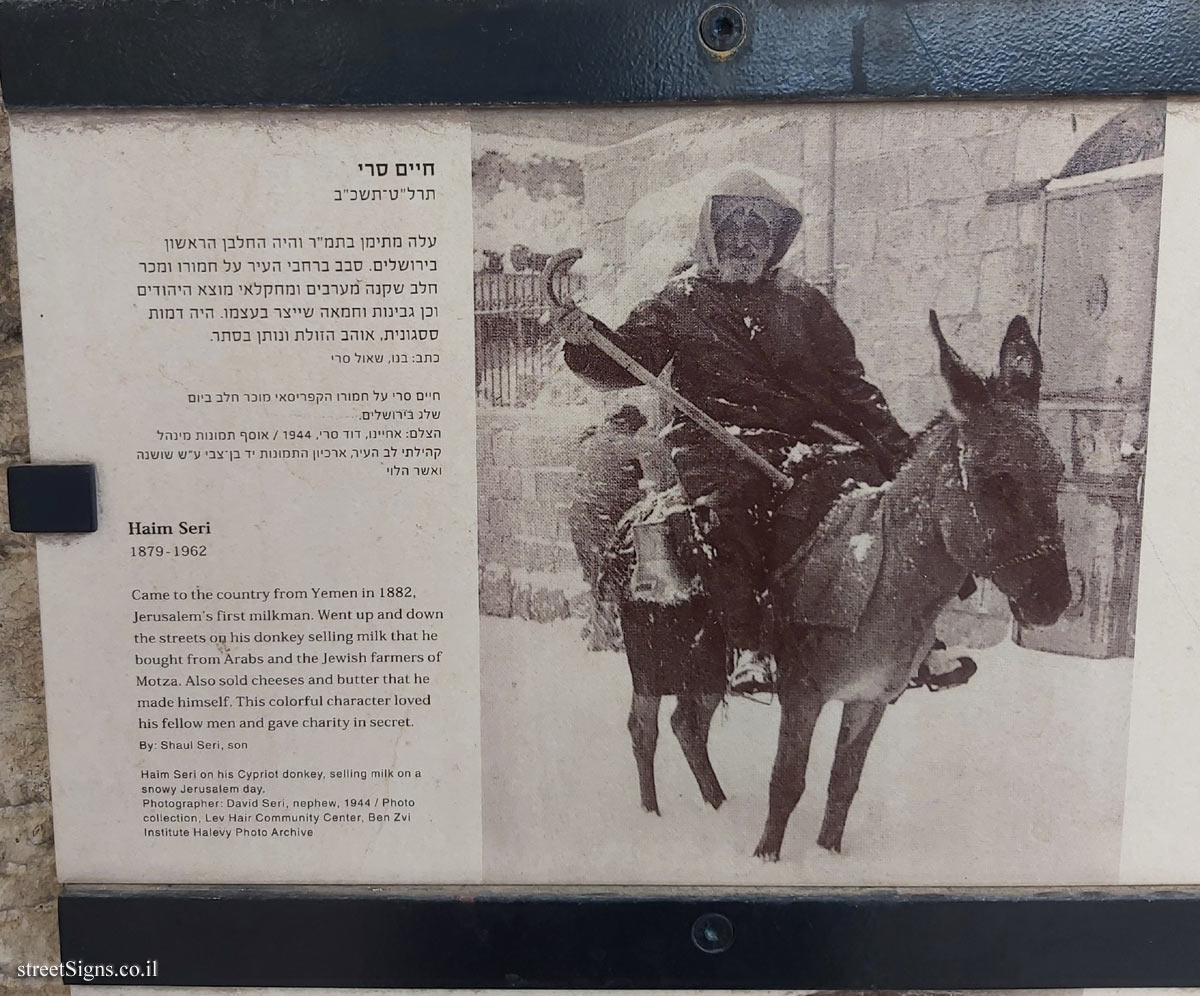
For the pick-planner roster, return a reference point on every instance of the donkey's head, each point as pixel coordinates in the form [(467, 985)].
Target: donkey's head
[(999, 519)]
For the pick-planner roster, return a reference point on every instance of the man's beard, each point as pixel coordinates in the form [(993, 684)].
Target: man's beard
[(740, 271)]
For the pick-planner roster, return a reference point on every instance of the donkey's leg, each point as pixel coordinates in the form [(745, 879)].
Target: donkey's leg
[(691, 721), (860, 720), (643, 728), (800, 708)]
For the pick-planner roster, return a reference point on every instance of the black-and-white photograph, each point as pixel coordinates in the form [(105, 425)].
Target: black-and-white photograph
[(811, 444)]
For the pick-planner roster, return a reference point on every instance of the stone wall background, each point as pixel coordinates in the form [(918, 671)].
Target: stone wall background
[(526, 468), (28, 888)]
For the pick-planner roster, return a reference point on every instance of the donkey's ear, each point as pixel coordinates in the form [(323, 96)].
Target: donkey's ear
[(967, 389), (1020, 376)]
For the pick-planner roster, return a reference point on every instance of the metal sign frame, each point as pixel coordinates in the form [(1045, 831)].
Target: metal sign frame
[(233, 53)]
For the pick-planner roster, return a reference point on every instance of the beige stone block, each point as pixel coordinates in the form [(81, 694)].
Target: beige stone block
[(947, 171), (780, 148), (528, 445), (487, 542), (530, 442), (902, 348), (633, 185), (26, 856), (555, 485), (660, 171), (855, 235), (566, 560), (29, 936), (533, 555), (483, 443), (14, 425), (502, 517), (879, 183), (1031, 223), (964, 121), (521, 596), (24, 765), (563, 525), (815, 201), (494, 546), (539, 520), (10, 312), (1007, 282), (909, 233), (995, 157), (35, 987), (561, 449), (20, 633), (886, 127), (974, 227), (860, 289), (861, 135), (503, 452), (889, 298), (954, 292), (528, 486), (486, 419), (510, 486), (819, 148), (496, 590), (487, 478), (581, 604)]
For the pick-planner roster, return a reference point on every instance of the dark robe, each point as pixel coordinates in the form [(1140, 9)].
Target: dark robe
[(769, 360)]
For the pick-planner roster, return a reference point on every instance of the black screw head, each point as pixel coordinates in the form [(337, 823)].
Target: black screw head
[(712, 933), (722, 28)]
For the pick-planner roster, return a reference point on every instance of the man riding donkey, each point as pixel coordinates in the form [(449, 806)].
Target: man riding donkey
[(767, 357)]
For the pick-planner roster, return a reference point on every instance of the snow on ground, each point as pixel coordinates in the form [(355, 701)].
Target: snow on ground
[(1015, 779)]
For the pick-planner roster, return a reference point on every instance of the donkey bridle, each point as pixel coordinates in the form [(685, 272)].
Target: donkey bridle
[(1046, 545)]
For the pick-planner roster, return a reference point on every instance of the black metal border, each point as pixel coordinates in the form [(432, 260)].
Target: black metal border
[(236, 53), (126, 53), (876, 941)]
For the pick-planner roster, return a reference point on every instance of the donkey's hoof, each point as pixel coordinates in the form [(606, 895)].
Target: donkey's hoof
[(716, 801), (653, 809), (829, 844)]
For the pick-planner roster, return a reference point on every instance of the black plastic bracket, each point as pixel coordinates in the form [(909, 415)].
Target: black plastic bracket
[(52, 498), (175, 53), (233, 936)]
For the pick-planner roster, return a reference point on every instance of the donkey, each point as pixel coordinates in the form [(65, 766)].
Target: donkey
[(978, 497)]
